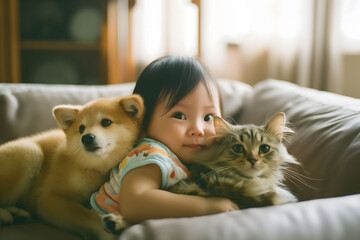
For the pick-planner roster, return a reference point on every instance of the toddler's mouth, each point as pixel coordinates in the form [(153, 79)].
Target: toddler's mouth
[(194, 146)]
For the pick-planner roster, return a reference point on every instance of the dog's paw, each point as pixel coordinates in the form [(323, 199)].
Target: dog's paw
[(19, 215), (10, 215), (5, 217), (114, 223)]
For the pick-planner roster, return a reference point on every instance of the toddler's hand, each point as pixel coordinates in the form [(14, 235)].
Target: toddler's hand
[(218, 205)]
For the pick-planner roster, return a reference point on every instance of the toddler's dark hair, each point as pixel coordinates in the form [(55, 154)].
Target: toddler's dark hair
[(170, 77)]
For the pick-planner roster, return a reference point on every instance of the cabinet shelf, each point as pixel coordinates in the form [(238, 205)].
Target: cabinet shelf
[(36, 36), (60, 45)]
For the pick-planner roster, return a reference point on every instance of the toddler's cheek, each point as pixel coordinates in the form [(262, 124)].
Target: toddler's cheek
[(210, 141)]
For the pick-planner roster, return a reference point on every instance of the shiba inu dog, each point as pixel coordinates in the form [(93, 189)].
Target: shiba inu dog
[(53, 174)]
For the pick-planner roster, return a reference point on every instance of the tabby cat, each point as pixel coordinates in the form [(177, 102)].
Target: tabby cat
[(245, 164)]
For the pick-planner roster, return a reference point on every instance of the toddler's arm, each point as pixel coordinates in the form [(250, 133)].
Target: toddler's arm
[(141, 198)]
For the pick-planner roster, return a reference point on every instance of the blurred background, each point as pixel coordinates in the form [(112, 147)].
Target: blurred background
[(314, 43)]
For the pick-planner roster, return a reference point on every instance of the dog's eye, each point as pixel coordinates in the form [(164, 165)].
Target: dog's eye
[(106, 122), (81, 129)]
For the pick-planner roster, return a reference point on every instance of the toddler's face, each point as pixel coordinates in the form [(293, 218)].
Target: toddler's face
[(186, 127)]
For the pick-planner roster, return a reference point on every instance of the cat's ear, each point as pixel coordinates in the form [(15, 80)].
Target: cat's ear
[(221, 126), (277, 125)]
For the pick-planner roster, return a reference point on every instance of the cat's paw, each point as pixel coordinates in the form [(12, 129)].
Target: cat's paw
[(283, 196), (194, 189), (10, 215), (114, 223), (187, 188)]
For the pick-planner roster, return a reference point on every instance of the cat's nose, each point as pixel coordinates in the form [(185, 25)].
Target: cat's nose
[(252, 160)]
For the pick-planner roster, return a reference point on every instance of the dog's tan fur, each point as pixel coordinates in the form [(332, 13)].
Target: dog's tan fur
[(52, 175)]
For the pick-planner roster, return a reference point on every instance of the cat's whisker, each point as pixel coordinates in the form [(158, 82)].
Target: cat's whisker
[(301, 175), (292, 175), (295, 183), (279, 180)]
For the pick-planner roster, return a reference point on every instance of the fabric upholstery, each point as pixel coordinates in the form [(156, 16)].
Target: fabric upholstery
[(307, 220), (27, 108)]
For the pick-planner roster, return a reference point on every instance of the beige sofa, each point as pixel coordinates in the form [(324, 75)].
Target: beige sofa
[(327, 143)]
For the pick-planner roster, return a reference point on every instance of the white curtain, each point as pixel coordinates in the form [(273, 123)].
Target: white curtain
[(301, 41), (164, 27)]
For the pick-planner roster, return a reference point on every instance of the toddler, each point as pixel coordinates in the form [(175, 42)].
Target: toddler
[(181, 99)]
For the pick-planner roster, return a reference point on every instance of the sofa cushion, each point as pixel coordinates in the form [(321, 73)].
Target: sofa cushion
[(327, 138), (334, 218)]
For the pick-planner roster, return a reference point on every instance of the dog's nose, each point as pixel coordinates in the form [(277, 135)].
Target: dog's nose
[(88, 139)]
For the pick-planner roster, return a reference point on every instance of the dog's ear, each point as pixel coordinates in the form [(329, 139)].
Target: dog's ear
[(134, 106), (65, 115)]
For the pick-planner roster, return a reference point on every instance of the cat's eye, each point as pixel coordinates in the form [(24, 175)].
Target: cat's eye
[(264, 148), (208, 117), (238, 148), (81, 129), (179, 115), (106, 122)]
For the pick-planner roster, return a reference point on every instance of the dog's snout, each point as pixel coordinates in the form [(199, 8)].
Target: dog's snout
[(88, 139), (89, 142)]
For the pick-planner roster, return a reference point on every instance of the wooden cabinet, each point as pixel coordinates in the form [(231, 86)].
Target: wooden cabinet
[(65, 41)]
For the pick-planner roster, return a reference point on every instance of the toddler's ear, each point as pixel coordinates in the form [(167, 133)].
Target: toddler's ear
[(221, 126), (65, 115)]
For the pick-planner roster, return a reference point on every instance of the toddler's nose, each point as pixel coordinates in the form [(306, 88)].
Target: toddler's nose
[(197, 130)]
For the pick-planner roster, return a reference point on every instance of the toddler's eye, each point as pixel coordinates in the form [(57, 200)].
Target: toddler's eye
[(81, 129), (106, 122), (208, 117), (179, 116), (238, 148), (264, 148)]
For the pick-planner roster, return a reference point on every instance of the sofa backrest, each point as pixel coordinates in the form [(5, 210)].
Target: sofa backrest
[(26, 109), (326, 140)]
